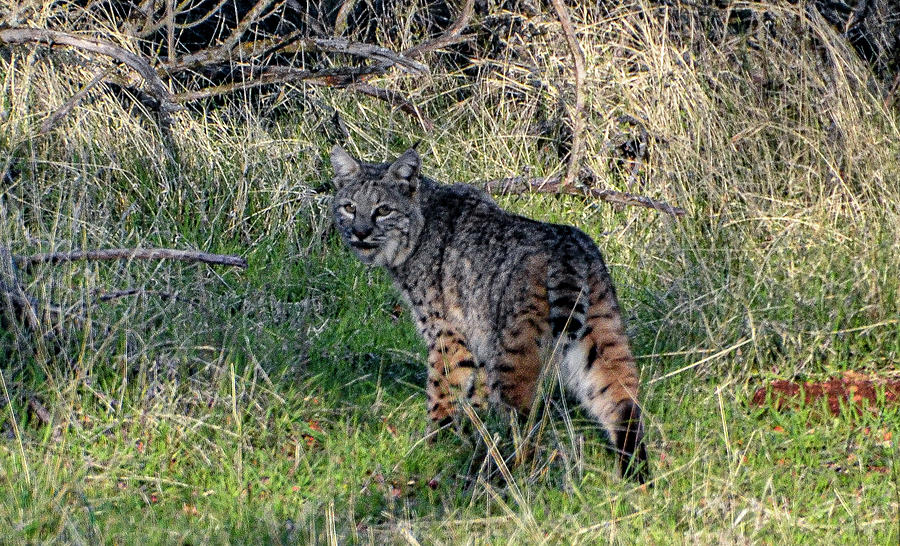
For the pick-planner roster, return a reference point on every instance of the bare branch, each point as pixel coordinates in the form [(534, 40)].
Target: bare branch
[(554, 184), (449, 37), (249, 18), (340, 21), (53, 38), (170, 28), (132, 254), (578, 113), (64, 110), (377, 53), (334, 77), (150, 27), (16, 299), (383, 56), (395, 99), (116, 294)]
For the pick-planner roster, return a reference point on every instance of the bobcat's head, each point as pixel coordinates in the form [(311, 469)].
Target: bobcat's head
[(376, 207)]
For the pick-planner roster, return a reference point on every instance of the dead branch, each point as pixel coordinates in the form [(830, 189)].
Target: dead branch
[(64, 110), (330, 77), (16, 299), (170, 28), (377, 53), (296, 44), (578, 113), (396, 99), (248, 19), (131, 254), (116, 294), (554, 184), (54, 38), (213, 56), (449, 37), (150, 26), (340, 21)]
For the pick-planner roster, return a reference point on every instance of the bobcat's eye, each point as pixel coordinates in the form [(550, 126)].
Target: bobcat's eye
[(381, 212), (350, 208)]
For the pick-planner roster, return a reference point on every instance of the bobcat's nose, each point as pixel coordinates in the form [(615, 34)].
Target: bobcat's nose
[(361, 231)]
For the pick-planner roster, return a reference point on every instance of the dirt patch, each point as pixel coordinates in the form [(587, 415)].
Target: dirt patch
[(850, 390)]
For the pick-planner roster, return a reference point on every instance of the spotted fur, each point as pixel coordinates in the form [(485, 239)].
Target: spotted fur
[(497, 297)]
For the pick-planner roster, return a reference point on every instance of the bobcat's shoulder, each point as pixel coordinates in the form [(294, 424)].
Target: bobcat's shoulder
[(497, 297)]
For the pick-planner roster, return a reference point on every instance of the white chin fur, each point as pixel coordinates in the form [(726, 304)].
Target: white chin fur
[(386, 254)]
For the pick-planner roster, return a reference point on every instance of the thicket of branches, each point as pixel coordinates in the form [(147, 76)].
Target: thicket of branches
[(169, 53), (166, 54), (181, 51)]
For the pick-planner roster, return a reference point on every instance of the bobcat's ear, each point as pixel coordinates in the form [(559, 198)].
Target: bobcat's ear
[(405, 172), (345, 167)]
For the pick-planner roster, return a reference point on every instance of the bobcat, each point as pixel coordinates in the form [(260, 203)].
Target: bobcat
[(496, 296)]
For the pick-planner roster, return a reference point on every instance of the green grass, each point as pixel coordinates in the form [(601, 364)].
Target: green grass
[(284, 403)]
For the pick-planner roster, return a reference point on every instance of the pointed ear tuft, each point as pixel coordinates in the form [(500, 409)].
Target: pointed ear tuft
[(405, 171), (344, 165)]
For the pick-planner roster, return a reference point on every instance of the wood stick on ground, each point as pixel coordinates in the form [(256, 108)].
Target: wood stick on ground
[(577, 114), (132, 254), (138, 64), (554, 184), (449, 37)]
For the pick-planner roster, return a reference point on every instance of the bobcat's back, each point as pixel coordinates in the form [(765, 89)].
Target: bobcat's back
[(496, 296)]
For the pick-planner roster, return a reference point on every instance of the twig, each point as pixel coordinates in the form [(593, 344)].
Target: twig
[(64, 110), (449, 37), (109, 296), (53, 38), (395, 99), (131, 254), (221, 53), (554, 184), (578, 113), (345, 77)]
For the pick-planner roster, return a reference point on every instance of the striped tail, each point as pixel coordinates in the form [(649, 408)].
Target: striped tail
[(610, 389)]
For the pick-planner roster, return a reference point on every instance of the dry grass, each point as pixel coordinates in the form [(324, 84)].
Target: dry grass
[(209, 399)]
